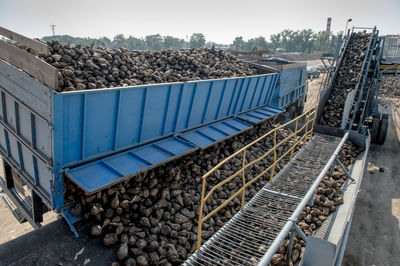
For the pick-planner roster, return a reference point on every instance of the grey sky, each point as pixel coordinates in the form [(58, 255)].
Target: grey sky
[(220, 21)]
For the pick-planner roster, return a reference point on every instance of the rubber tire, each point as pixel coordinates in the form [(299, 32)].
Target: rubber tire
[(375, 129), (383, 128), (291, 111), (299, 110)]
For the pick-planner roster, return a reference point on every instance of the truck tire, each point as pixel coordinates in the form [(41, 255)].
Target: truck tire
[(383, 127), (291, 111), (375, 129), (300, 110)]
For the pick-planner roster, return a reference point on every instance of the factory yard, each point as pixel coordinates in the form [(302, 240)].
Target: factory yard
[(151, 216), (369, 243)]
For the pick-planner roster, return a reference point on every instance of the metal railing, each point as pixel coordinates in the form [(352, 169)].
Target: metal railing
[(295, 140)]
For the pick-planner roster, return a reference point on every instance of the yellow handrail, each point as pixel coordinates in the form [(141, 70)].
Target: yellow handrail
[(310, 116)]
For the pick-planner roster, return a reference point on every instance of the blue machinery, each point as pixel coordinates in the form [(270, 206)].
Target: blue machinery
[(291, 88), (100, 137)]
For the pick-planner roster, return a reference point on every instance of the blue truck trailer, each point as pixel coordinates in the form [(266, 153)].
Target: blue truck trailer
[(291, 89), (97, 138)]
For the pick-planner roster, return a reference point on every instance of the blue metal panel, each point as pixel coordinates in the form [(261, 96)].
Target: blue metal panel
[(102, 173), (260, 114), (291, 87), (216, 132), (99, 122)]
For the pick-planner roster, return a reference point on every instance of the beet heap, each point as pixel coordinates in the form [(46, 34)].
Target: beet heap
[(83, 68), (152, 218), (346, 80)]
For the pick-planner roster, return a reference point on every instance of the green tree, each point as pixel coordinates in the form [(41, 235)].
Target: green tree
[(211, 44), (306, 41), (134, 43), (119, 37), (173, 43), (197, 40), (275, 41), (239, 41), (154, 42), (259, 43)]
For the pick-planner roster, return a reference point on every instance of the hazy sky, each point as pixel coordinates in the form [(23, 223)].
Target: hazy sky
[(220, 20)]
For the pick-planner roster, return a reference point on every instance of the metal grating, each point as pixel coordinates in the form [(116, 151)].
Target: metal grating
[(248, 235)]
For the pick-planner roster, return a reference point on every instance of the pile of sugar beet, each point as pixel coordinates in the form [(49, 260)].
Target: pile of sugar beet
[(83, 68), (346, 80), (152, 218), (327, 196)]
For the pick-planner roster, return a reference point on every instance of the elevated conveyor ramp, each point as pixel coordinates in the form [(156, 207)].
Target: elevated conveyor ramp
[(254, 234)]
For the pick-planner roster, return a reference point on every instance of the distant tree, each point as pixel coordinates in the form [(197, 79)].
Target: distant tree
[(258, 43), (239, 41), (211, 44), (173, 43), (119, 37), (275, 41), (306, 41), (197, 40), (103, 41), (134, 43), (154, 42)]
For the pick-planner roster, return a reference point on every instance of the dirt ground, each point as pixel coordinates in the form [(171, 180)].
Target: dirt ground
[(375, 231), (9, 227), (314, 86)]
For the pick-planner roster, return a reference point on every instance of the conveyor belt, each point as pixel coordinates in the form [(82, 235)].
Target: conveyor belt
[(250, 233)]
